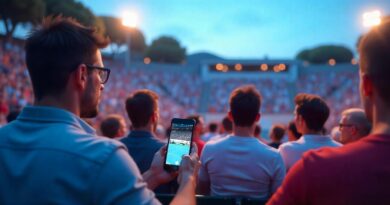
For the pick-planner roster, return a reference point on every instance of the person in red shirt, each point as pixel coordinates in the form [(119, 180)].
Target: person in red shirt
[(358, 173), (198, 131)]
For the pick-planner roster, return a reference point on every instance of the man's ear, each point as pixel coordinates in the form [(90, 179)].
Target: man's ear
[(230, 116), (80, 76), (258, 116), (367, 85)]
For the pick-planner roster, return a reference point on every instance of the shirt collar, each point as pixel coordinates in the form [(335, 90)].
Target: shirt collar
[(309, 137), (53, 114)]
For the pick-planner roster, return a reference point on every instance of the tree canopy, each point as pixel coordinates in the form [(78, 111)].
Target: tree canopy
[(322, 54), (166, 50)]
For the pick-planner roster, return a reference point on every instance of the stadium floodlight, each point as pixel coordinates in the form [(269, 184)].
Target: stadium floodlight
[(372, 18), (129, 19)]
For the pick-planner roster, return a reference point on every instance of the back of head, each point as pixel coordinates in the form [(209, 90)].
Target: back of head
[(358, 118), (140, 107), (111, 125), (374, 49), (293, 128), (213, 127), (55, 49), (197, 118), (313, 110), (277, 132), (257, 130), (245, 105), (227, 124)]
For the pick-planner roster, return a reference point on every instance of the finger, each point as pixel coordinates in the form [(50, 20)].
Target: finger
[(163, 150)]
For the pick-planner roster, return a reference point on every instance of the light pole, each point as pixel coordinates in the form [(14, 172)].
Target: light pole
[(129, 20)]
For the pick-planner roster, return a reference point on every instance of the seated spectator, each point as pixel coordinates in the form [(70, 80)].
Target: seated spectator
[(357, 173), (49, 155), (198, 131), (276, 135), (257, 134), (113, 126), (142, 109), (311, 113), (212, 132), (240, 165), (353, 125), (292, 132)]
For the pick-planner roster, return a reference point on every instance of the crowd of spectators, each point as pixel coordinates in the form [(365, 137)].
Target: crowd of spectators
[(180, 91)]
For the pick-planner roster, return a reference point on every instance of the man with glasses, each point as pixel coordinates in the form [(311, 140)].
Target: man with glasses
[(49, 155), (353, 125)]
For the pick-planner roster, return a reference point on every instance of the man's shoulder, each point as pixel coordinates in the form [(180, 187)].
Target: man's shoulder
[(290, 146)]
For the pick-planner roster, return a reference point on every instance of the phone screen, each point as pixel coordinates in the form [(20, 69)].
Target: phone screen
[(179, 142)]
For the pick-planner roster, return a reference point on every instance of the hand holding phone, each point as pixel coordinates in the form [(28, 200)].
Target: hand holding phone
[(179, 142)]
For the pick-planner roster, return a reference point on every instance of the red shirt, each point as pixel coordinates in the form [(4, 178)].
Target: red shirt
[(200, 144), (358, 173)]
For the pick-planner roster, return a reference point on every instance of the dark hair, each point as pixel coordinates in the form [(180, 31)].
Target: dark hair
[(313, 110), (194, 117), (374, 51), (111, 125), (291, 126), (213, 127), (257, 130), (140, 107), (245, 104), (55, 49), (227, 124), (12, 115), (278, 132)]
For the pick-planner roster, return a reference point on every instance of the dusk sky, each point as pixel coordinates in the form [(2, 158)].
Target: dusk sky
[(248, 28)]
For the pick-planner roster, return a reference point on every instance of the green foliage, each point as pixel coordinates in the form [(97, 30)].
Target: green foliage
[(74, 9), (322, 54), (167, 50), (15, 12)]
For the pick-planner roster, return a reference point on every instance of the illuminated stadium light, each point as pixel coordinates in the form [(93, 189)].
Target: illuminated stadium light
[(238, 67), (147, 60), (129, 19), (225, 68), (219, 67), (276, 68), (354, 61), (372, 18), (332, 62), (282, 67), (264, 67)]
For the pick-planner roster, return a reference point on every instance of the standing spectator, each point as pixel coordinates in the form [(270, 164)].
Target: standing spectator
[(311, 113), (353, 125), (113, 126), (240, 165), (357, 173), (276, 136)]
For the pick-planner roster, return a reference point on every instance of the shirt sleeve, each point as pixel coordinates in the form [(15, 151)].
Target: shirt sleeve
[(280, 173), (203, 177), (294, 187), (120, 182)]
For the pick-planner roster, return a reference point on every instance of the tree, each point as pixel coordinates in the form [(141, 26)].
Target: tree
[(117, 33), (167, 50), (322, 54), (74, 9), (16, 12)]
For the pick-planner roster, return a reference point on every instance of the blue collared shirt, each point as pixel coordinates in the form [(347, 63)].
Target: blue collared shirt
[(51, 156)]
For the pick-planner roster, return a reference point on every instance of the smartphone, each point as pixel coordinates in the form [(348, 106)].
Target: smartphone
[(179, 142)]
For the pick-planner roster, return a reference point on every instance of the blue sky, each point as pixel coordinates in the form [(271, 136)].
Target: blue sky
[(247, 28)]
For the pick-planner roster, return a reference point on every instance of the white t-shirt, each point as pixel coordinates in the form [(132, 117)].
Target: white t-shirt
[(240, 166)]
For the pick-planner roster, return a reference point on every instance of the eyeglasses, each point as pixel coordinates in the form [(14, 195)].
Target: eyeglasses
[(104, 73)]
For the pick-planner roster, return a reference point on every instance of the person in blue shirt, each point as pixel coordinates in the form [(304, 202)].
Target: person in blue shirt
[(49, 155)]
